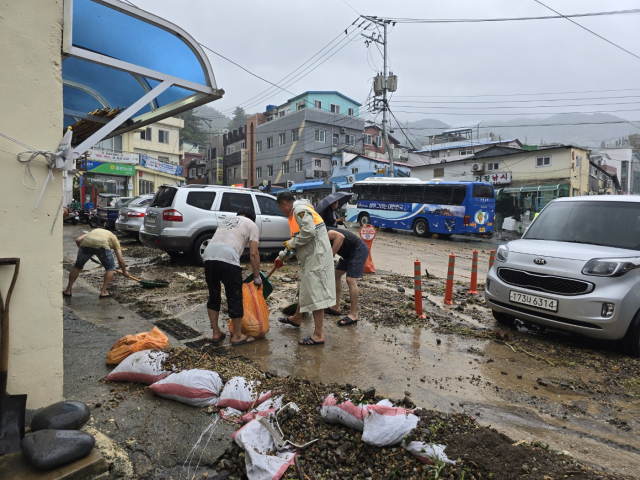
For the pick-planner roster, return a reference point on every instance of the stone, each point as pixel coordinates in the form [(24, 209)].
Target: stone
[(68, 415), (542, 382), (142, 466), (369, 393), (401, 289), (47, 449)]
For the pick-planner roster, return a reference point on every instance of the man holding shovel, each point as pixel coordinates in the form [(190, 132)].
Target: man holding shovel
[(310, 241), (222, 266), (98, 242)]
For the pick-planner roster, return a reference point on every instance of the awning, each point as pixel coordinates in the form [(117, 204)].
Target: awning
[(345, 186), (118, 56), (563, 187), (300, 187)]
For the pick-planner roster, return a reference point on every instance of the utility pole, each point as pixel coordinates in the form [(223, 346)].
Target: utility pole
[(383, 83)]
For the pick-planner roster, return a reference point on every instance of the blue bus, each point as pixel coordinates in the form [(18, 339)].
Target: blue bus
[(445, 208)]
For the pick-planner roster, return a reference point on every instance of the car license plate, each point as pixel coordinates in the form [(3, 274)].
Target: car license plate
[(481, 229), (533, 300), (151, 220)]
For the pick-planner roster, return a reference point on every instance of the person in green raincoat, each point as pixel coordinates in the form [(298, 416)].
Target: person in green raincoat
[(310, 240)]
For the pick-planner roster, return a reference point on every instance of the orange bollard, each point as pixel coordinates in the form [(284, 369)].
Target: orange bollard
[(492, 258), (474, 274), (448, 294), (418, 286)]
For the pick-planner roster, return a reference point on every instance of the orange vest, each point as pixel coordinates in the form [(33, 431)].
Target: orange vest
[(293, 225)]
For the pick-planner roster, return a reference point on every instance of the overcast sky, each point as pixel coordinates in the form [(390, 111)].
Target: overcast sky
[(273, 38)]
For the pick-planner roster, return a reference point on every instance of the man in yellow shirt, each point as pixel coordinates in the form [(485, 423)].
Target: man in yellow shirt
[(98, 242)]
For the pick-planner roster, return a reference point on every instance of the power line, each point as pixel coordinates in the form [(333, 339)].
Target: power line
[(519, 113), (515, 94), (508, 19), (534, 125), (522, 106), (590, 31), (520, 101)]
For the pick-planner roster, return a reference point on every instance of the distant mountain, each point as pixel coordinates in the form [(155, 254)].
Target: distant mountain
[(216, 118), (564, 128)]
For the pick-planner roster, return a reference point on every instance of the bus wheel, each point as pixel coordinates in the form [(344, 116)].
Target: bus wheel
[(364, 219), (421, 228)]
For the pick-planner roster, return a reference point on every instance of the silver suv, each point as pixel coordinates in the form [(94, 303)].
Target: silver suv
[(576, 268), (183, 219)]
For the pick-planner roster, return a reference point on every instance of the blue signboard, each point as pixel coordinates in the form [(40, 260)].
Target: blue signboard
[(155, 164), (388, 206)]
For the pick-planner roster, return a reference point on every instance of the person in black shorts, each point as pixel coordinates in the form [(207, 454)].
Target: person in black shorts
[(353, 255)]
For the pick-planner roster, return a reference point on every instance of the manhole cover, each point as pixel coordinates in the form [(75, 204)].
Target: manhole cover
[(177, 329), (206, 345)]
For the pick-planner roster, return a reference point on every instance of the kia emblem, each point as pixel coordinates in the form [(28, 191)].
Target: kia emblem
[(540, 261)]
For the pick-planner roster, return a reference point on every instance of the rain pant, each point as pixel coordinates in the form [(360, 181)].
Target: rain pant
[(313, 250)]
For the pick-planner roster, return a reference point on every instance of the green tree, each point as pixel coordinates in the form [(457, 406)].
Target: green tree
[(192, 132), (239, 118)]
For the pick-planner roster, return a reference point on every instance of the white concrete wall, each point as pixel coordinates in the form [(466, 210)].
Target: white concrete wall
[(154, 148), (31, 111)]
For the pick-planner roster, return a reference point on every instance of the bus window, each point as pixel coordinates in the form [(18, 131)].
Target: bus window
[(459, 194), (438, 194), (368, 192), (413, 193), (482, 191), (390, 193)]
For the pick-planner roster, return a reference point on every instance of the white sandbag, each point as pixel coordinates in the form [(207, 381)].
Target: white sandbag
[(385, 426), (263, 459), (198, 388), (427, 452), (345, 413), (144, 366), (242, 395)]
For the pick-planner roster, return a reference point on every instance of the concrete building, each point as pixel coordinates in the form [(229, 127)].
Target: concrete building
[(235, 167), (626, 164), (297, 139), (191, 152), (347, 164)]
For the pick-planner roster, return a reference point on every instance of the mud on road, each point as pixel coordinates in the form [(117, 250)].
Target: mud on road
[(570, 393)]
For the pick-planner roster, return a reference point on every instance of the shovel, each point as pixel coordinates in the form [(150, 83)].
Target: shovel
[(12, 407), (144, 283)]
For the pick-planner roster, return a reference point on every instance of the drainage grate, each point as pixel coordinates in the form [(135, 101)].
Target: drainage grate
[(206, 345), (177, 329)]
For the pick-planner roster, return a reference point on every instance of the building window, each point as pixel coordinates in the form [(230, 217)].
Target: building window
[(466, 152), (351, 112), (285, 167), (259, 146), (145, 134), (320, 136), (438, 172), (269, 143), (281, 139), (543, 161), (144, 187), (201, 171), (317, 162), (493, 166), (235, 172), (334, 163), (317, 104), (377, 140), (298, 164), (269, 170), (282, 112), (295, 135), (354, 171), (227, 150), (228, 173), (163, 136), (243, 144), (192, 173), (350, 139), (367, 139), (300, 105), (335, 108), (259, 172), (578, 160), (336, 139)]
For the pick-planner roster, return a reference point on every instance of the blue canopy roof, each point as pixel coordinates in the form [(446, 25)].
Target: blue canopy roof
[(299, 187)]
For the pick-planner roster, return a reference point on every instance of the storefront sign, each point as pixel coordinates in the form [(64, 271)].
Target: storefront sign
[(109, 156), (112, 168), (244, 164), (389, 206), (495, 178), (220, 171), (155, 164)]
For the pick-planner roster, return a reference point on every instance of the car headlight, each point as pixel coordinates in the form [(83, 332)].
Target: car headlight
[(610, 267), (502, 253)]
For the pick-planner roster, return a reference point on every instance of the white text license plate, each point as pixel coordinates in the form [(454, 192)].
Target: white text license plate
[(151, 221), (533, 300)]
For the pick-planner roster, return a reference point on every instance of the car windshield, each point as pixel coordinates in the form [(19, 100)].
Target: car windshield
[(596, 223)]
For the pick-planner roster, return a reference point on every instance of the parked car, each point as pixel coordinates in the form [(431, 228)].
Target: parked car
[(131, 216), (576, 268), (183, 219)]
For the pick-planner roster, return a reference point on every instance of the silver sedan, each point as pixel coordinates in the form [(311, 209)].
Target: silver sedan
[(131, 216)]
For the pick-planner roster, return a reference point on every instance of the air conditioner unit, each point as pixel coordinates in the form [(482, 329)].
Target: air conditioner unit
[(477, 167), (343, 130), (351, 178)]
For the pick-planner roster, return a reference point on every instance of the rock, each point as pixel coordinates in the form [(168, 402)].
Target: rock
[(504, 373), (47, 449), (542, 382), (369, 393), (438, 341), (520, 376), (142, 466), (69, 415), (407, 402), (401, 289)]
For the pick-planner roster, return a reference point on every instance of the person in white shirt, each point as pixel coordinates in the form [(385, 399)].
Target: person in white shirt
[(222, 265)]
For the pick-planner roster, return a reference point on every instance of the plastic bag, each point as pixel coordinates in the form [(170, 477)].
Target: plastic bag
[(198, 388), (427, 452), (142, 367), (255, 322), (385, 426), (134, 343)]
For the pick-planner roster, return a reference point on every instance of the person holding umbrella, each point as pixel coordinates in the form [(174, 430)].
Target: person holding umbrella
[(329, 206)]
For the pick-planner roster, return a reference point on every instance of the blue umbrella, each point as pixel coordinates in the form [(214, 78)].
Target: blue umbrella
[(340, 197)]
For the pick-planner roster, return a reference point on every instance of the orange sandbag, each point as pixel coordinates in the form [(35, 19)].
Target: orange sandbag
[(134, 343), (255, 322)]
